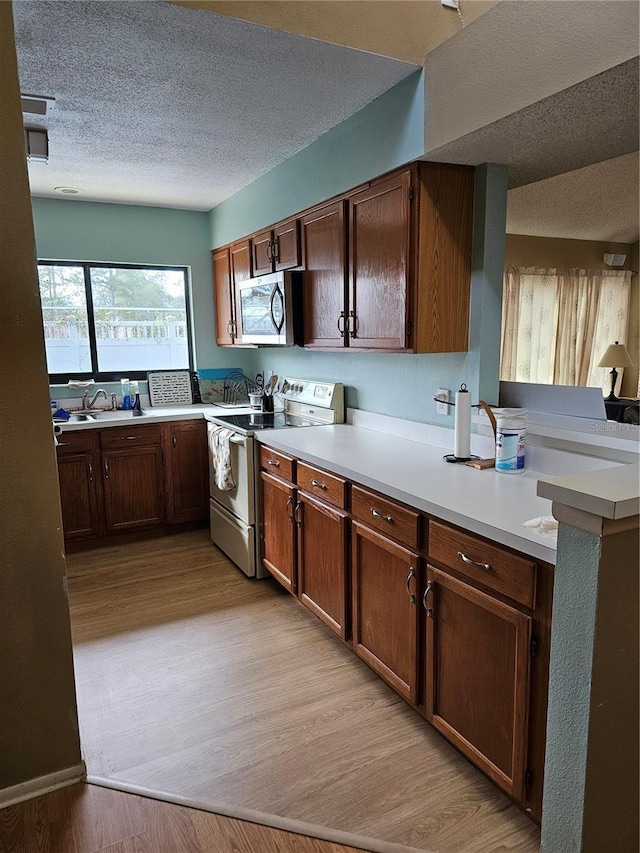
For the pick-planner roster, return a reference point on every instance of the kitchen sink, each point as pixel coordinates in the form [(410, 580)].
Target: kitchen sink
[(101, 415)]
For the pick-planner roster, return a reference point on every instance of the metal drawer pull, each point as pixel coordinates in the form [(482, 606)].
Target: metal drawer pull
[(412, 574), (318, 485), (376, 514), (427, 590), (129, 437), (470, 562), (63, 443), (274, 462)]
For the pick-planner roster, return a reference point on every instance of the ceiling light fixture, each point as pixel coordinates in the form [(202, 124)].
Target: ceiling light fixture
[(67, 190), (38, 105), (37, 144)]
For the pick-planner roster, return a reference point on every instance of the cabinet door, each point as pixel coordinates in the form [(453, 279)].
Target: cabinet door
[(133, 492), (385, 620), (187, 486), (223, 297), (325, 276), (477, 676), (78, 501), (379, 258), (286, 240), (322, 562), (262, 253), (278, 530)]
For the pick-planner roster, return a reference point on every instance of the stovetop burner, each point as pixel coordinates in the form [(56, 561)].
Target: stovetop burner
[(264, 420)]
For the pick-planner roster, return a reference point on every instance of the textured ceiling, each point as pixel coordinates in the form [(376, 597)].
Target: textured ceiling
[(598, 202), (592, 121), (162, 105)]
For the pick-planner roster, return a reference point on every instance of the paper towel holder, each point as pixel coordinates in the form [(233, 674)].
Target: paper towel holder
[(451, 457)]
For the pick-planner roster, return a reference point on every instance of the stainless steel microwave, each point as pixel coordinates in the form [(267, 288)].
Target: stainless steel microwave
[(269, 309)]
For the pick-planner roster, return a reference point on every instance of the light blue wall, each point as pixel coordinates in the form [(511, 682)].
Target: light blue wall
[(387, 133), (86, 231)]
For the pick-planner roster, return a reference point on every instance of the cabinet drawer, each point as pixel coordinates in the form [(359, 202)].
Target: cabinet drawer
[(490, 565), (387, 516), (114, 438), (330, 488), (75, 442), (276, 463)]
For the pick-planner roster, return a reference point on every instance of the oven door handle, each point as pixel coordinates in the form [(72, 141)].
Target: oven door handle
[(236, 439)]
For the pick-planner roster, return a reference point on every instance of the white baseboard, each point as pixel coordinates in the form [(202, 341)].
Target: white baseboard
[(42, 785)]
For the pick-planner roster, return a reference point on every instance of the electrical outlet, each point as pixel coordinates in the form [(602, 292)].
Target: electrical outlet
[(442, 408)]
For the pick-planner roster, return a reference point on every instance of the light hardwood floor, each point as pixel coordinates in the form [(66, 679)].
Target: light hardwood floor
[(193, 680), (87, 819)]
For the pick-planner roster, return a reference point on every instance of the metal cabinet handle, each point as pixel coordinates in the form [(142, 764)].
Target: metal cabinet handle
[(425, 595), (90, 467), (341, 328), (410, 576), (63, 443), (275, 464), (353, 326), (129, 437), (318, 485), (296, 517), (269, 251), (290, 515), (376, 514), (174, 441), (230, 329), (106, 470), (276, 249), (470, 562)]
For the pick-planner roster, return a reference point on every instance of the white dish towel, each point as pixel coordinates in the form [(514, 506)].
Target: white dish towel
[(219, 447)]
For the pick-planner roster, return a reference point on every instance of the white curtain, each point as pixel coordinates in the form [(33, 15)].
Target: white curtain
[(611, 326), (556, 324)]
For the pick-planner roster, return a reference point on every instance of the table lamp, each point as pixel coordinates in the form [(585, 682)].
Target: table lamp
[(616, 355)]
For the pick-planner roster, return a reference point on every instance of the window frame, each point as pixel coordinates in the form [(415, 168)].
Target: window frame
[(110, 376)]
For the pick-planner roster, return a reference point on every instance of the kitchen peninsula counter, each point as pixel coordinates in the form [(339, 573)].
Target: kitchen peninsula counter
[(485, 502)]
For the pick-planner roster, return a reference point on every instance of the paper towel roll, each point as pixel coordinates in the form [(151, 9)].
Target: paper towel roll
[(462, 437)]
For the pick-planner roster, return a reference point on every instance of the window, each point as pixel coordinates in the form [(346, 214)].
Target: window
[(556, 324), (105, 321)]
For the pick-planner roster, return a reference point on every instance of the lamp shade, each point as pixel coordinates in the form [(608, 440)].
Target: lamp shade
[(616, 355)]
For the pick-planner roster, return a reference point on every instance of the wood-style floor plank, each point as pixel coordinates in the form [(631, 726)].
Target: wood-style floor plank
[(197, 681), (87, 819)]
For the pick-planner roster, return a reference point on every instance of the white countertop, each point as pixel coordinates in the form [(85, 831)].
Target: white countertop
[(609, 493), (485, 502), (159, 414)]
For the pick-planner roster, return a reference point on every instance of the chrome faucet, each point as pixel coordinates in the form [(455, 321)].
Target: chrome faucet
[(89, 404)]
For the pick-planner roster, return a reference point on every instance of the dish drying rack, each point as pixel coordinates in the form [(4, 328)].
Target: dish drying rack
[(236, 389)]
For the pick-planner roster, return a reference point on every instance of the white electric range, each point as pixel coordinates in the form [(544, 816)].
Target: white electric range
[(234, 513)]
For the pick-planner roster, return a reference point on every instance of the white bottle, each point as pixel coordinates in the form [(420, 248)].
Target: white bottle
[(511, 429)]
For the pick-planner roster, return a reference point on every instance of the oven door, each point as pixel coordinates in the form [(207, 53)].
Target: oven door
[(239, 501)]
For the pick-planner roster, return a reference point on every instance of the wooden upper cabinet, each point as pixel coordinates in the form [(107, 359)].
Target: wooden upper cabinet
[(223, 297), (276, 249), (241, 268), (444, 200), (325, 276), (379, 255)]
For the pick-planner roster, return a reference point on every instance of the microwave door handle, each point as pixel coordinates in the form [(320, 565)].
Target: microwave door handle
[(276, 292)]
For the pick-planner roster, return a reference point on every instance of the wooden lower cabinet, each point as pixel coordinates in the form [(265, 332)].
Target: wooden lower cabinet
[(78, 497), (322, 561), (477, 676), (120, 478), (385, 608), (186, 471), (278, 530), (133, 493)]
